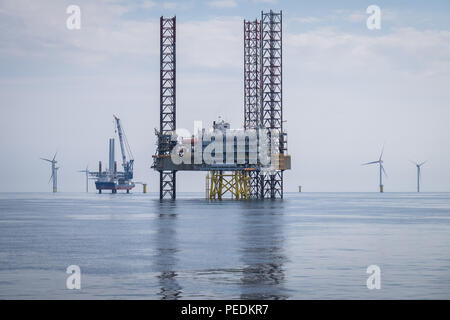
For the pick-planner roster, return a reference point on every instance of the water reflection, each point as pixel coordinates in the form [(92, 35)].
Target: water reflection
[(167, 248), (262, 250)]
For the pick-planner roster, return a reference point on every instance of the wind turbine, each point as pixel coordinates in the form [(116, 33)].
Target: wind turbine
[(54, 175), (87, 177), (418, 165), (380, 164)]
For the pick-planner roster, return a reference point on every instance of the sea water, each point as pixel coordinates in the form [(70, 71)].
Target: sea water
[(306, 246)]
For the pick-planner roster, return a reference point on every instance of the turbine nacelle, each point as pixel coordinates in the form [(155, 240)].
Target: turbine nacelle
[(417, 164)]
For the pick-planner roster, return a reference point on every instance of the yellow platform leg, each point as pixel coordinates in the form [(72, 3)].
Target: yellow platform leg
[(235, 184)]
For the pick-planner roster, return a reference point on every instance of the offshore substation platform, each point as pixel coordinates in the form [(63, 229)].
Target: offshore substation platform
[(245, 163)]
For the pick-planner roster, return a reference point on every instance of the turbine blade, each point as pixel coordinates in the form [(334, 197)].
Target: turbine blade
[(45, 159), (423, 163), (381, 154), (51, 177), (55, 155), (384, 171), (373, 162)]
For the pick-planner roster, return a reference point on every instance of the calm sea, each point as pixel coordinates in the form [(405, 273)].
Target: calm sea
[(307, 246)]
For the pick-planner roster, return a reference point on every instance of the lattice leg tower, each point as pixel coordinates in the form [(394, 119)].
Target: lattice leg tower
[(252, 88), (252, 77), (167, 180), (254, 184), (167, 187), (272, 95)]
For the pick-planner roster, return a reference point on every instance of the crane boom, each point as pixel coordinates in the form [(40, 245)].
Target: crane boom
[(122, 147)]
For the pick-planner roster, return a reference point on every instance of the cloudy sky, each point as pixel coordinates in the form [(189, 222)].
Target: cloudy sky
[(347, 89)]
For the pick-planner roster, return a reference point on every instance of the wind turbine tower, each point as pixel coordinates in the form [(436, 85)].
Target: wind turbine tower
[(86, 171), (382, 171), (54, 175), (418, 166)]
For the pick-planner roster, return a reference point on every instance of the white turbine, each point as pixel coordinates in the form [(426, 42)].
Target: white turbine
[(54, 175), (86, 171), (380, 164), (418, 165)]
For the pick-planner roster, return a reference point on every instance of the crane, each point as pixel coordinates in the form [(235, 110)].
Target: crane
[(112, 179), (125, 149)]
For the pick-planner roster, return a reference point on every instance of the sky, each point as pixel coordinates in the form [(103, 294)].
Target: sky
[(347, 90)]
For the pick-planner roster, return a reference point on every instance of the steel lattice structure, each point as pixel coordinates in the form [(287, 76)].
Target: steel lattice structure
[(236, 183), (252, 81), (252, 88), (272, 94), (254, 179), (167, 124)]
